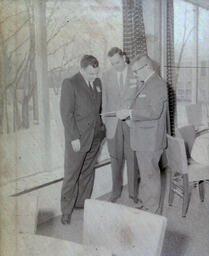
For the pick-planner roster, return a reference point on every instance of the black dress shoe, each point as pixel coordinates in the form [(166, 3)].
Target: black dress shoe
[(65, 219), (113, 199), (142, 207), (159, 211), (135, 199)]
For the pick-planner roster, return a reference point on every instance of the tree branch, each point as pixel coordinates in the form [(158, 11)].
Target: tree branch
[(52, 13), (56, 33), (18, 30), (183, 46), (68, 61), (61, 46), (19, 46), (61, 67), (10, 16), (17, 76), (184, 42)]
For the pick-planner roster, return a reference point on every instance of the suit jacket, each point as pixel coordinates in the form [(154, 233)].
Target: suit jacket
[(80, 111), (148, 121), (113, 98)]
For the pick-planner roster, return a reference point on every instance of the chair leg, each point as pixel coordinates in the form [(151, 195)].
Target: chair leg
[(171, 193), (185, 194), (201, 190)]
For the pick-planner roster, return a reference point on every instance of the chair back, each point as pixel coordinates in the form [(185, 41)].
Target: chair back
[(205, 114), (194, 114), (188, 134), (176, 154)]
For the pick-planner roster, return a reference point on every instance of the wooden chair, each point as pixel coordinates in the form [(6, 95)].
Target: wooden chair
[(189, 134), (183, 172), (197, 116)]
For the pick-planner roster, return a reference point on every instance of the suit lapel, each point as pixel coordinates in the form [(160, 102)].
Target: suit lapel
[(146, 84), (86, 87), (83, 83), (142, 87), (96, 94)]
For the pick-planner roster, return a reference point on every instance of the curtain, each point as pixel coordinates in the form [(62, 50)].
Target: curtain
[(134, 43), (134, 40), (170, 66)]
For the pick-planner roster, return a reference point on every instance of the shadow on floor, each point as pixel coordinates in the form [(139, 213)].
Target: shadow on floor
[(175, 243)]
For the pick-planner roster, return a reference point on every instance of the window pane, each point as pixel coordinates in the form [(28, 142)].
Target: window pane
[(184, 46), (75, 28), (203, 55)]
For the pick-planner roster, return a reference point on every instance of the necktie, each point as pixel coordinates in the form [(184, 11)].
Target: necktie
[(121, 81), (91, 90)]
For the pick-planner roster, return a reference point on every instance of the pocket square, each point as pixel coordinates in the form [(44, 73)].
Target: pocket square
[(142, 95), (98, 89)]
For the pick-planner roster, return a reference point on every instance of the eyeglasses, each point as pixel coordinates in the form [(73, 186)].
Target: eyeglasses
[(136, 70)]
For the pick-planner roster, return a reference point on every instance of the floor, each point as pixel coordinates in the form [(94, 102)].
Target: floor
[(187, 236)]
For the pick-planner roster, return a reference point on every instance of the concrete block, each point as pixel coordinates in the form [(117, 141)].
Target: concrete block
[(27, 213), (20, 213), (35, 245), (17, 214), (125, 231)]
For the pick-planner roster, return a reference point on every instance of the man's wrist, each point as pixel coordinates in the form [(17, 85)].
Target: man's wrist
[(75, 140)]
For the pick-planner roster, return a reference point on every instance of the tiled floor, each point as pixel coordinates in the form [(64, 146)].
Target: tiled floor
[(184, 236)]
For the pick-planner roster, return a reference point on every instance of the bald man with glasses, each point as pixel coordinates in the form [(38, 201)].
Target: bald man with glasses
[(148, 129)]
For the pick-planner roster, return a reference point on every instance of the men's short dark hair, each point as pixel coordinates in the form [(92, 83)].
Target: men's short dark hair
[(116, 50), (89, 60)]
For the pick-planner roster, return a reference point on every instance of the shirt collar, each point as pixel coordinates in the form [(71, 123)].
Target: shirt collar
[(87, 82)]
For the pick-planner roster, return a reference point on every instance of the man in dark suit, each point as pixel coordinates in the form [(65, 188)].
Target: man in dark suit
[(80, 106)]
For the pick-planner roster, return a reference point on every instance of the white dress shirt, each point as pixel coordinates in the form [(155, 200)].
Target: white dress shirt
[(124, 72)]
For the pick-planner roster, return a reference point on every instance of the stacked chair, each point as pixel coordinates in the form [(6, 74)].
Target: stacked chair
[(184, 170)]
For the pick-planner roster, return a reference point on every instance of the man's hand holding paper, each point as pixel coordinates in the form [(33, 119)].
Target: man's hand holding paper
[(123, 114)]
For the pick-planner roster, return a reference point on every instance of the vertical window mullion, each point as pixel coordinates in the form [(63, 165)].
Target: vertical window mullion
[(196, 71)]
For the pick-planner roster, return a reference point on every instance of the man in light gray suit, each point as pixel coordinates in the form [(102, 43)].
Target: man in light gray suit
[(80, 106), (118, 95), (148, 129)]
